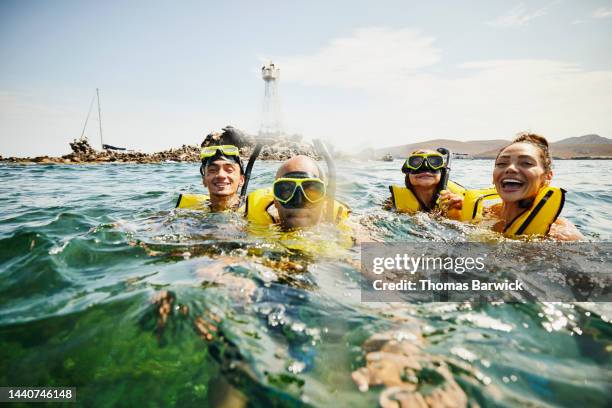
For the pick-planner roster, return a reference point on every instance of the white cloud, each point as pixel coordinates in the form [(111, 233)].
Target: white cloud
[(603, 12), (408, 97), (517, 17), (578, 22), (360, 59), (378, 86)]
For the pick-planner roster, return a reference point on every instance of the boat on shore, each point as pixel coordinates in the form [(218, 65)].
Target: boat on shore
[(462, 156), (104, 146)]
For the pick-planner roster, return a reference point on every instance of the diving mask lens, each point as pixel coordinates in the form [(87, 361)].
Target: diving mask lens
[(434, 161), (414, 162), (313, 189), (284, 190), (227, 150)]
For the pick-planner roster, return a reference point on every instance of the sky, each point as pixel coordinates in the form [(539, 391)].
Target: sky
[(356, 73)]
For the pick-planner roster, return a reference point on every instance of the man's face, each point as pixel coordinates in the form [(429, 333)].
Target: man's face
[(222, 178), (299, 212)]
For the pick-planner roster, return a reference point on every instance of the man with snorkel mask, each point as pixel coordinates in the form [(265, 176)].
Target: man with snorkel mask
[(222, 174), (298, 198), (426, 177), (299, 192)]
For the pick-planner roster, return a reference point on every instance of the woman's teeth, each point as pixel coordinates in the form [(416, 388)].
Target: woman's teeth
[(511, 183)]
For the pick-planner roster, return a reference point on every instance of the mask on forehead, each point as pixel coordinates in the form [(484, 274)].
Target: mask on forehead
[(220, 156)]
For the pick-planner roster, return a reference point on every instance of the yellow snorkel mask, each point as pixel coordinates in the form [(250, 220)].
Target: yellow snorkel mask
[(209, 154), (310, 187), (417, 161), (226, 150)]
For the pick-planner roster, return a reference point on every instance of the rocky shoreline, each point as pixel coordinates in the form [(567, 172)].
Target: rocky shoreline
[(277, 148)]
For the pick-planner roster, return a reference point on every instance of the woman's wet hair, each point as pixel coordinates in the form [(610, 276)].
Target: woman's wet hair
[(538, 141)]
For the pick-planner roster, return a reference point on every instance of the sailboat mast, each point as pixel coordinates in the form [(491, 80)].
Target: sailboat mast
[(88, 114), (100, 118)]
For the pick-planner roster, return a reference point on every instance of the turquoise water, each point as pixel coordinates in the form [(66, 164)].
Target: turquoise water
[(84, 250)]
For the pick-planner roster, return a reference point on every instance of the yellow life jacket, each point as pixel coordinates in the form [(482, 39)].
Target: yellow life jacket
[(261, 199), (474, 201), (404, 200), (535, 220), (193, 202), (197, 202), (260, 221)]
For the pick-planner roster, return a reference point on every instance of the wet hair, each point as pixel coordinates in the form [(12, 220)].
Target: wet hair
[(538, 141)]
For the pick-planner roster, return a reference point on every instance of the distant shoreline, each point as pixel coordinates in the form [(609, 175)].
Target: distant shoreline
[(60, 161), (84, 153), (587, 147), (555, 158)]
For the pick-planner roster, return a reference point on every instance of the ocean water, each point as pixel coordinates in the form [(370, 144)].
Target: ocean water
[(89, 254)]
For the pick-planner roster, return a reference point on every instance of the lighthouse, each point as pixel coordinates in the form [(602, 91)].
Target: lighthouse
[(271, 123)]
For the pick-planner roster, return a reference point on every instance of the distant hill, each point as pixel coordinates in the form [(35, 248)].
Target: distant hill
[(586, 139), (581, 146), (567, 151), (471, 147)]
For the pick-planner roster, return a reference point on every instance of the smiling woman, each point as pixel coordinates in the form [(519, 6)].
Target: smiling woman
[(529, 204)]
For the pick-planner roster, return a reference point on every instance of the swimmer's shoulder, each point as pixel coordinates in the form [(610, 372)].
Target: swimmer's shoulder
[(492, 218), (493, 211), (564, 230)]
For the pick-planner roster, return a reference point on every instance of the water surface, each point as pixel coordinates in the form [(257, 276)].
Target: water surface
[(85, 248)]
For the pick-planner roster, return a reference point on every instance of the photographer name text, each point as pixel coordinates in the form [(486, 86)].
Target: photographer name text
[(429, 285)]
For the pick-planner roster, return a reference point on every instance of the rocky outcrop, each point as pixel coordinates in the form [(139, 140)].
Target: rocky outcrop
[(82, 152), (81, 147), (228, 135), (278, 148)]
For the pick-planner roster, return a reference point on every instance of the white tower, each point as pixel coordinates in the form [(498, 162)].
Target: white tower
[(271, 123)]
